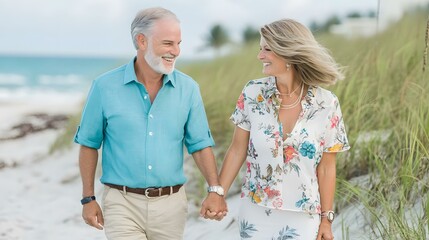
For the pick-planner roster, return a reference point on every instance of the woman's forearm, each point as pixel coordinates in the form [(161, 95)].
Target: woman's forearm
[(326, 175), (234, 158)]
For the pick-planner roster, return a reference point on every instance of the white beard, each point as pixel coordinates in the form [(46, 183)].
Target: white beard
[(155, 62)]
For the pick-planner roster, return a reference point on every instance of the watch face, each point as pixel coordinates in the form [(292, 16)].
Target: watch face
[(220, 191), (330, 216)]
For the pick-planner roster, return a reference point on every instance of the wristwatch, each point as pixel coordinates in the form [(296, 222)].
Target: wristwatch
[(330, 215), (216, 189), (86, 200)]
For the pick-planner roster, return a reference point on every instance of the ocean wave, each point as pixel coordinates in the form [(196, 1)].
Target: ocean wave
[(12, 79), (40, 95), (69, 79)]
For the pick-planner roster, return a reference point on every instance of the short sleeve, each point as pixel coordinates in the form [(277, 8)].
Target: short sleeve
[(90, 132), (240, 116), (335, 136), (197, 131)]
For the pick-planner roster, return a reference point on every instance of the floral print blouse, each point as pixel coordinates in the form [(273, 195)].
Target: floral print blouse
[(282, 174)]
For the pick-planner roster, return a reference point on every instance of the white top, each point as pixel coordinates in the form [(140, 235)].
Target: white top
[(282, 175)]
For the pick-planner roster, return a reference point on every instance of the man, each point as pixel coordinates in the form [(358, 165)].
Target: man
[(143, 113)]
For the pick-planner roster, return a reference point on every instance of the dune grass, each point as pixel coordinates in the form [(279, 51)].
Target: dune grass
[(386, 90), (385, 104)]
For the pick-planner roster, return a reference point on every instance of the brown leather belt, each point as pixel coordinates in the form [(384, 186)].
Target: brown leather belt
[(148, 192)]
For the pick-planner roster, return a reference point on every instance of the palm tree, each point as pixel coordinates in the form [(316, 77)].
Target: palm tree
[(217, 37), (250, 34)]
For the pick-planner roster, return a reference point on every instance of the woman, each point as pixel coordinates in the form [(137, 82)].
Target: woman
[(289, 130)]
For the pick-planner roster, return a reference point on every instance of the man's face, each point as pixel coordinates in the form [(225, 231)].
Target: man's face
[(163, 46)]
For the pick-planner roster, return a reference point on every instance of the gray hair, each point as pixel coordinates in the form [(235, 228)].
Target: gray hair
[(295, 43), (145, 19)]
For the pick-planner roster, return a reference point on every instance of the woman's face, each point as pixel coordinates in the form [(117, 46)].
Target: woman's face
[(272, 64)]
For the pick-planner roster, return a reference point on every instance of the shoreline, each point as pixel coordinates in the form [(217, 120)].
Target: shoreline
[(29, 126), (13, 111)]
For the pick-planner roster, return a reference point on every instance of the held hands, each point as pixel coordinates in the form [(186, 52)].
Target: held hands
[(214, 207), (93, 215)]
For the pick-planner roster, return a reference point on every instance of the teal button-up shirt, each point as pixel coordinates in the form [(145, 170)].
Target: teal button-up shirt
[(143, 142)]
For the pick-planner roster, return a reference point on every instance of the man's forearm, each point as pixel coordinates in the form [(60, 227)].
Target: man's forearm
[(206, 162), (88, 158)]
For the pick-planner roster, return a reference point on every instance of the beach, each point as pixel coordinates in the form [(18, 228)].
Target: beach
[(42, 190)]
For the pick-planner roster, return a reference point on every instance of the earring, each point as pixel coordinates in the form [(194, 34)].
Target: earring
[(288, 66)]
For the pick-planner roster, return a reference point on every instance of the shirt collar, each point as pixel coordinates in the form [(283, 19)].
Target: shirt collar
[(130, 74), (170, 78), (271, 87)]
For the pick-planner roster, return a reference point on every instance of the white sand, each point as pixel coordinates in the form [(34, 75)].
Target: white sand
[(13, 111), (41, 192)]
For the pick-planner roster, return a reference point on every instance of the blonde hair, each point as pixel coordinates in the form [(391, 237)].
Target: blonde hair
[(295, 43)]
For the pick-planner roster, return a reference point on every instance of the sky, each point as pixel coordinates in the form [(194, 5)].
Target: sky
[(102, 27)]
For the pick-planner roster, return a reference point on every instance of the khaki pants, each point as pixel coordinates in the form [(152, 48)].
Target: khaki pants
[(133, 216)]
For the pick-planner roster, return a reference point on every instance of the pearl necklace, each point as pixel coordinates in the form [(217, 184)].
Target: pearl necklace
[(290, 94), (294, 104)]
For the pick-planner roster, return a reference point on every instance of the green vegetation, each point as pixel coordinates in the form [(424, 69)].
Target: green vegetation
[(386, 92), (250, 34), (385, 103), (221, 82), (217, 37)]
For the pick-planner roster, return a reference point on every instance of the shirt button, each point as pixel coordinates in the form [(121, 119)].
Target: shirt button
[(150, 115), (145, 97), (149, 167), (150, 133)]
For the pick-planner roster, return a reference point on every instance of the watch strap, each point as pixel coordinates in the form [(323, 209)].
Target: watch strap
[(216, 189), (86, 200)]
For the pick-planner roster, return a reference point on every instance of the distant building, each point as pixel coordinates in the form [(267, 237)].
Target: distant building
[(390, 11), (356, 27)]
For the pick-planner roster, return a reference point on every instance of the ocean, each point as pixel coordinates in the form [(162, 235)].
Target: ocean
[(49, 78)]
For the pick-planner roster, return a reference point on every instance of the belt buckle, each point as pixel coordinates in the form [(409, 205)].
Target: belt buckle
[(146, 192)]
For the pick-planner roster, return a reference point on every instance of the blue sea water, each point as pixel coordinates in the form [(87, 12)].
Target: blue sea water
[(24, 77)]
